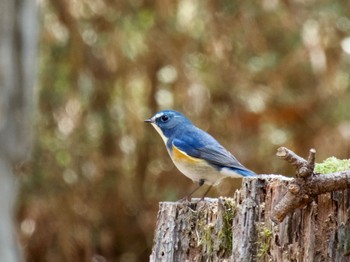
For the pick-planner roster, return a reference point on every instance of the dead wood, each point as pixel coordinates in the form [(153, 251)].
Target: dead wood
[(271, 218), (306, 185)]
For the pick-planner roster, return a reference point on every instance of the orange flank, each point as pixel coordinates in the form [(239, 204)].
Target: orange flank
[(181, 156)]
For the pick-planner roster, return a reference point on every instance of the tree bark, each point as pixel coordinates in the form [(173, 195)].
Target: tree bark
[(18, 46), (241, 229)]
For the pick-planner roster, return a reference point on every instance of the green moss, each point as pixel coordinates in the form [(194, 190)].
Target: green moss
[(216, 237), (225, 234), (206, 239), (331, 165), (204, 232), (263, 244)]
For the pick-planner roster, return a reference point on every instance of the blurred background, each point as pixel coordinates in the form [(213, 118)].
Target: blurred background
[(254, 74)]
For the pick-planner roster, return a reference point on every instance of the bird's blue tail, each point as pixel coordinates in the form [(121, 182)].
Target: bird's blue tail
[(245, 172)]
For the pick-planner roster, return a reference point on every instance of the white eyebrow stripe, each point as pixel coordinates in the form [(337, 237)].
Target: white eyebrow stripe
[(158, 115)]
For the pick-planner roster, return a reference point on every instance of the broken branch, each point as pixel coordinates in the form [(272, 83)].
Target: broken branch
[(307, 185)]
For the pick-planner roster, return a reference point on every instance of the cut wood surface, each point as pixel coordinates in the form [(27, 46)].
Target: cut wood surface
[(241, 229)]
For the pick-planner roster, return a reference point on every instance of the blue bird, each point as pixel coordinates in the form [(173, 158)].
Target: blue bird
[(194, 152)]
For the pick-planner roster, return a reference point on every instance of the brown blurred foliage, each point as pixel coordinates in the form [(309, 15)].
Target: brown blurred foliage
[(254, 74)]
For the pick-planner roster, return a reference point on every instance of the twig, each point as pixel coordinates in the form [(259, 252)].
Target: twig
[(303, 168), (307, 185)]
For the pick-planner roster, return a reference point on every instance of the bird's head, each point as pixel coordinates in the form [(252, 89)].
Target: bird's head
[(166, 121)]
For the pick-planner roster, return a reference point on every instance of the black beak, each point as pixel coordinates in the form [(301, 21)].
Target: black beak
[(149, 120)]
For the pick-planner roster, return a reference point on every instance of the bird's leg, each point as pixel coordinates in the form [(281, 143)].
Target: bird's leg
[(206, 192), (188, 197)]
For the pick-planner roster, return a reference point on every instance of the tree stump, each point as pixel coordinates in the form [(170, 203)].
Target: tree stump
[(241, 229)]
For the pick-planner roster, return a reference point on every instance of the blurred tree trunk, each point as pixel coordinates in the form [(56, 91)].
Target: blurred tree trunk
[(18, 46), (240, 228)]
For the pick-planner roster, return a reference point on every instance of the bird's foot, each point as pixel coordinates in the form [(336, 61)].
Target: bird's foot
[(185, 199)]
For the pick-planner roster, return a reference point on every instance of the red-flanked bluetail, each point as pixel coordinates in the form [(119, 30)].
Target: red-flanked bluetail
[(194, 152)]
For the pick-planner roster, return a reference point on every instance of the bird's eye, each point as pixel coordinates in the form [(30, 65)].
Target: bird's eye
[(164, 118)]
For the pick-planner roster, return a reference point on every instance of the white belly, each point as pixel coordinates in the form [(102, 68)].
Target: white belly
[(198, 171)]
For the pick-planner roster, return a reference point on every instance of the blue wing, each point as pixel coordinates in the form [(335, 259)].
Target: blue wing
[(200, 144)]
